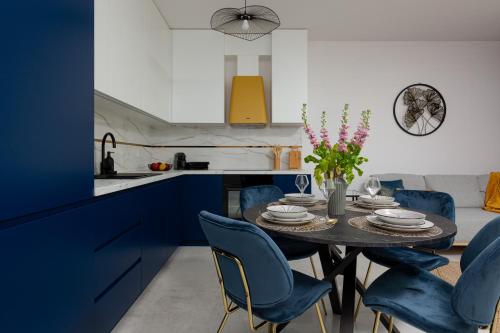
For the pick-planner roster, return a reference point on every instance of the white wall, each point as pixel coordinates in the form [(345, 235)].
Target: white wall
[(371, 74)]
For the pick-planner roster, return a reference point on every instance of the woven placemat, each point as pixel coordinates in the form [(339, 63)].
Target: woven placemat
[(352, 207), (317, 224), (362, 223), (318, 206)]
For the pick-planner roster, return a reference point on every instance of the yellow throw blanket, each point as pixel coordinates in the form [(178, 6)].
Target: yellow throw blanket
[(492, 197)]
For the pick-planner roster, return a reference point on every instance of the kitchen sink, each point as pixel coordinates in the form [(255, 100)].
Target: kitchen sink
[(126, 176)]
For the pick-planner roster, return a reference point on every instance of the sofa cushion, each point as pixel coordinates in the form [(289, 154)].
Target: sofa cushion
[(469, 221), (410, 181), (463, 188), (483, 182)]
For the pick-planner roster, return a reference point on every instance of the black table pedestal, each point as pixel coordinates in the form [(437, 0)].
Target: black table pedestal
[(328, 267), (348, 295)]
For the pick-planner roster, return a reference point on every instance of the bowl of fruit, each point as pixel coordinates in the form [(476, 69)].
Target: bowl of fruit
[(160, 166)]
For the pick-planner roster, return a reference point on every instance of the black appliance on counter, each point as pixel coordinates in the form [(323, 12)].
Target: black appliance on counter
[(197, 165), (179, 161), (233, 184)]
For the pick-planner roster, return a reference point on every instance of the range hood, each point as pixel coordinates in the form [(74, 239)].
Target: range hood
[(248, 100)]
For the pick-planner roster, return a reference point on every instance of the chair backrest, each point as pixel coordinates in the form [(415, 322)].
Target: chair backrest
[(255, 195), (481, 240), (269, 276), (477, 291), (438, 203)]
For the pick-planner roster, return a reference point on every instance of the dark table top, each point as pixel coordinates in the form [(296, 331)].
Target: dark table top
[(344, 234)]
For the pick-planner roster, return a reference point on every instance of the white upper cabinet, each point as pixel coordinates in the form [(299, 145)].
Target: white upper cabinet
[(102, 37), (133, 61), (289, 75), (198, 77), (157, 90)]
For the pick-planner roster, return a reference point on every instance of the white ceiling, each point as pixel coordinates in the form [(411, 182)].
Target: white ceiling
[(364, 20)]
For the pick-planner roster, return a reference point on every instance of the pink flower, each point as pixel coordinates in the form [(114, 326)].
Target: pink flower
[(362, 131), (309, 131), (324, 132), (343, 132), (326, 139), (311, 136)]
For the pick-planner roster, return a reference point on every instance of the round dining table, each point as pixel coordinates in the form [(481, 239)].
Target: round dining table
[(335, 263)]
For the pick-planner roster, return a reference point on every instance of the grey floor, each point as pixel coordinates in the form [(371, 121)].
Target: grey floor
[(185, 297)]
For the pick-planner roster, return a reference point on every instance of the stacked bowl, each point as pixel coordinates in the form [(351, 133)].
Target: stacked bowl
[(399, 220), (287, 214)]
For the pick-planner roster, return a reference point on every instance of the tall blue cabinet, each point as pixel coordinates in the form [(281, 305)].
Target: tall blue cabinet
[(46, 105)]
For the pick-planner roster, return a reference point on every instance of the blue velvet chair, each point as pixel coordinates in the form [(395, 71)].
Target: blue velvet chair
[(254, 274), (433, 202), (425, 301), (292, 249)]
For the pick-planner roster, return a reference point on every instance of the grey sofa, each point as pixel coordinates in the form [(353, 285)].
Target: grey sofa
[(467, 191)]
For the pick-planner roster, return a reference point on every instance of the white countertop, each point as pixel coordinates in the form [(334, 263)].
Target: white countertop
[(106, 186)]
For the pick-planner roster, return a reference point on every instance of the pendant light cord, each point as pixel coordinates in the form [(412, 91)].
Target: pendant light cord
[(245, 7)]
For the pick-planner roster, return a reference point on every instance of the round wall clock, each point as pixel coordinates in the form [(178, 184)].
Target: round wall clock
[(419, 109)]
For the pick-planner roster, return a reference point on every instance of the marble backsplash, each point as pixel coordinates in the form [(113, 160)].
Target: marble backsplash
[(134, 127)]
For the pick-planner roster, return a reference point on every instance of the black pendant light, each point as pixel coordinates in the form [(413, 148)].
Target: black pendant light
[(249, 22)]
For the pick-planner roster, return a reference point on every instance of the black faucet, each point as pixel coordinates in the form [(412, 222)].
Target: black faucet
[(107, 164)]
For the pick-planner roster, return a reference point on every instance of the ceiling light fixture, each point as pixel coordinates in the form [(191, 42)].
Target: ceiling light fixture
[(249, 22)]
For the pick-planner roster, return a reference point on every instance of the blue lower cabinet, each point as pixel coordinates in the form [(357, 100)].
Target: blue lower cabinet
[(155, 217), (47, 273), (117, 252), (112, 261), (174, 222), (287, 183), (112, 305), (162, 232), (81, 269), (199, 192)]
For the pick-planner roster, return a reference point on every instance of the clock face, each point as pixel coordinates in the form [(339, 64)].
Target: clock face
[(419, 109)]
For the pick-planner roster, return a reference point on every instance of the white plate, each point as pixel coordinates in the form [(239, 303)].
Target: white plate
[(303, 220), (377, 206), (400, 216), (378, 199), (380, 224), (299, 203), (287, 211), (306, 197)]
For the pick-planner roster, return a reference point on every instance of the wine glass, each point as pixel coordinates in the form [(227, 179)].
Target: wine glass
[(372, 186), (301, 181), (327, 187)]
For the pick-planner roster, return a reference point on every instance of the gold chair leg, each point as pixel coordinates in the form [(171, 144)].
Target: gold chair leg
[(496, 318), (316, 276), (365, 282), (376, 323), (272, 328), (391, 324), (320, 318), (223, 323)]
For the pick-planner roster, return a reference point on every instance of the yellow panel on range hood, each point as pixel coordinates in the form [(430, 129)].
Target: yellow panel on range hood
[(248, 101)]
